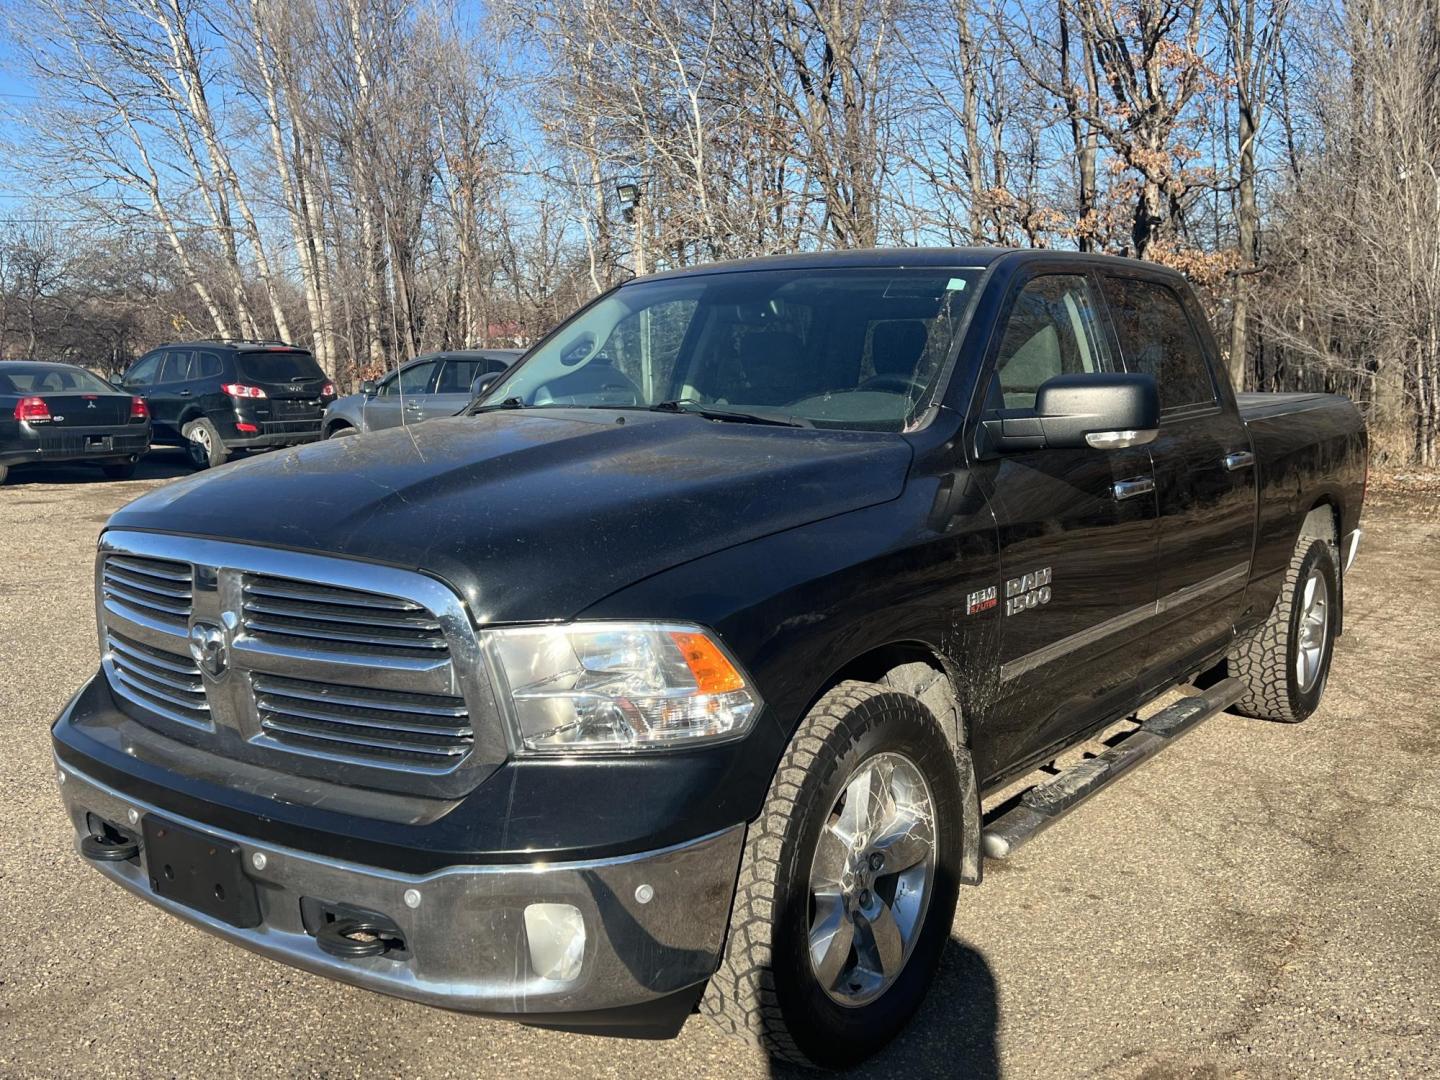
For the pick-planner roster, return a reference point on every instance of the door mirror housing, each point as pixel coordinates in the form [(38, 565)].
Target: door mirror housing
[(483, 383), (1102, 410), (368, 387)]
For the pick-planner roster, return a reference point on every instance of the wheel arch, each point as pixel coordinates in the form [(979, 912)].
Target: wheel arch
[(188, 416), (918, 669)]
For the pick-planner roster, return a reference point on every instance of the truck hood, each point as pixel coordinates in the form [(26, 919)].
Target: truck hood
[(534, 515)]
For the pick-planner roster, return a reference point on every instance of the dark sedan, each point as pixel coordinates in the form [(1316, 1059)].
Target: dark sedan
[(62, 413)]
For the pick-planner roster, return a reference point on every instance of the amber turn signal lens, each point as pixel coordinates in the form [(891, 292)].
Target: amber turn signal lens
[(713, 673)]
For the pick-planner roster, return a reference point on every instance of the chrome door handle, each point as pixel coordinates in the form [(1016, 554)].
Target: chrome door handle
[(1128, 489), (184, 393), (1241, 459), (414, 405)]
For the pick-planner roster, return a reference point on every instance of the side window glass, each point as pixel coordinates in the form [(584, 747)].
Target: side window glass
[(415, 379), (143, 373), (207, 366), (456, 377), (176, 367), (1156, 336), (1052, 330)]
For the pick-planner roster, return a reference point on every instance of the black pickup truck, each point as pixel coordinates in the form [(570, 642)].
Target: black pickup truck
[(672, 676)]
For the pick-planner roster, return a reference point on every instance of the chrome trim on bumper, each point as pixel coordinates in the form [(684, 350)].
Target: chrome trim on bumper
[(466, 937), (1352, 548)]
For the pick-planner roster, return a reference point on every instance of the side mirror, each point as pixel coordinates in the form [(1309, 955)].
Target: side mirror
[(368, 387), (1101, 410), (483, 383)]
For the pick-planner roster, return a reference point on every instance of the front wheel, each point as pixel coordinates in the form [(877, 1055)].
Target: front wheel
[(1284, 664), (848, 884)]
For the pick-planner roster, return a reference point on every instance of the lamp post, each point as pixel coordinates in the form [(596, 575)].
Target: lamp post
[(632, 205)]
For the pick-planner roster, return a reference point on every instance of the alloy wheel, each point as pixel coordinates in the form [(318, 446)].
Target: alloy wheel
[(871, 879)]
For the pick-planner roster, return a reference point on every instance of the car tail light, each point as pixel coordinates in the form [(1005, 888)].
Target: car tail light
[(138, 409), (32, 409), (240, 390), (247, 429), (328, 390)]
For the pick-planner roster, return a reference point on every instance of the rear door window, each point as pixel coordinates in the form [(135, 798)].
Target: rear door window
[(176, 367), (1157, 337), (1051, 330), (282, 365), (457, 375)]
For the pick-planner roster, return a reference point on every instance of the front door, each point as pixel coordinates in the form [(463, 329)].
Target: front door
[(170, 394), (399, 398), (1204, 468), (1076, 531)]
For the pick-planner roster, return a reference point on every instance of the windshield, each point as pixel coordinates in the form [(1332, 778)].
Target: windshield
[(844, 348), (279, 366), (43, 379)]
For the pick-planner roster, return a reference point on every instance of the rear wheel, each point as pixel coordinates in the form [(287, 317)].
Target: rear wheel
[(1285, 663), (204, 445), (848, 884), (118, 470), (4, 472)]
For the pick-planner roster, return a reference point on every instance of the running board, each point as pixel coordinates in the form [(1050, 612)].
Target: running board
[(1047, 803)]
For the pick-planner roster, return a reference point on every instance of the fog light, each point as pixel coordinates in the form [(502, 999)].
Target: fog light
[(556, 936)]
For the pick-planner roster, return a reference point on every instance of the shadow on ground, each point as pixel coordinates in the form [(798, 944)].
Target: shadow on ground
[(160, 464), (954, 1035)]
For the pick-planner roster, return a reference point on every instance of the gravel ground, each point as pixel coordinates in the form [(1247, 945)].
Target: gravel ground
[(1259, 902)]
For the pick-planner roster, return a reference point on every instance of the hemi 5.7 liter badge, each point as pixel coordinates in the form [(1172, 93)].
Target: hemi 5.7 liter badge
[(982, 600)]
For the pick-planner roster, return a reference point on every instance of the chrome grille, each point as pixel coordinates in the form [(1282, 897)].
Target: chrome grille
[(349, 672), (342, 619), (156, 589), (428, 730), (167, 682)]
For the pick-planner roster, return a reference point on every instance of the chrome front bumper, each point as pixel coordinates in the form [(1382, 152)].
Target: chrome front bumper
[(654, 923)]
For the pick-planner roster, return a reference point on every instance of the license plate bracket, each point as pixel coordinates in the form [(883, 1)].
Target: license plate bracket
[(97, 442), (201, 872)]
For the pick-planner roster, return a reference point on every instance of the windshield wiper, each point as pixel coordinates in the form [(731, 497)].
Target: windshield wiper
[(508, 403), (696, 408)]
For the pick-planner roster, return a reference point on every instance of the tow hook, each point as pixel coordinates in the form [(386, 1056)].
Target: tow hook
[(352, 939), (108, 848)]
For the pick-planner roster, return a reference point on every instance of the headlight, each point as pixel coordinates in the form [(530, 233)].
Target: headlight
[(620, 686)]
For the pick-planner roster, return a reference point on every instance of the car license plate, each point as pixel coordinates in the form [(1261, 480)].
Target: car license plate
[(97, 442), (201, 872)]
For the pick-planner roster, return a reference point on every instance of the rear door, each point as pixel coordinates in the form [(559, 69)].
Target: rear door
[(1204, 466), (452, 385), (1076, 530)]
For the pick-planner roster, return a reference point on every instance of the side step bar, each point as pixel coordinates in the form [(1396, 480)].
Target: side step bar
[(1047, 803)]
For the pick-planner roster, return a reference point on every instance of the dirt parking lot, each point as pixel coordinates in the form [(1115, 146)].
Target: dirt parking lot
[(1261, 901)]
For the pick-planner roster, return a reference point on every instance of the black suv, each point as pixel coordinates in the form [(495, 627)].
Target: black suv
[(216, 397)]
